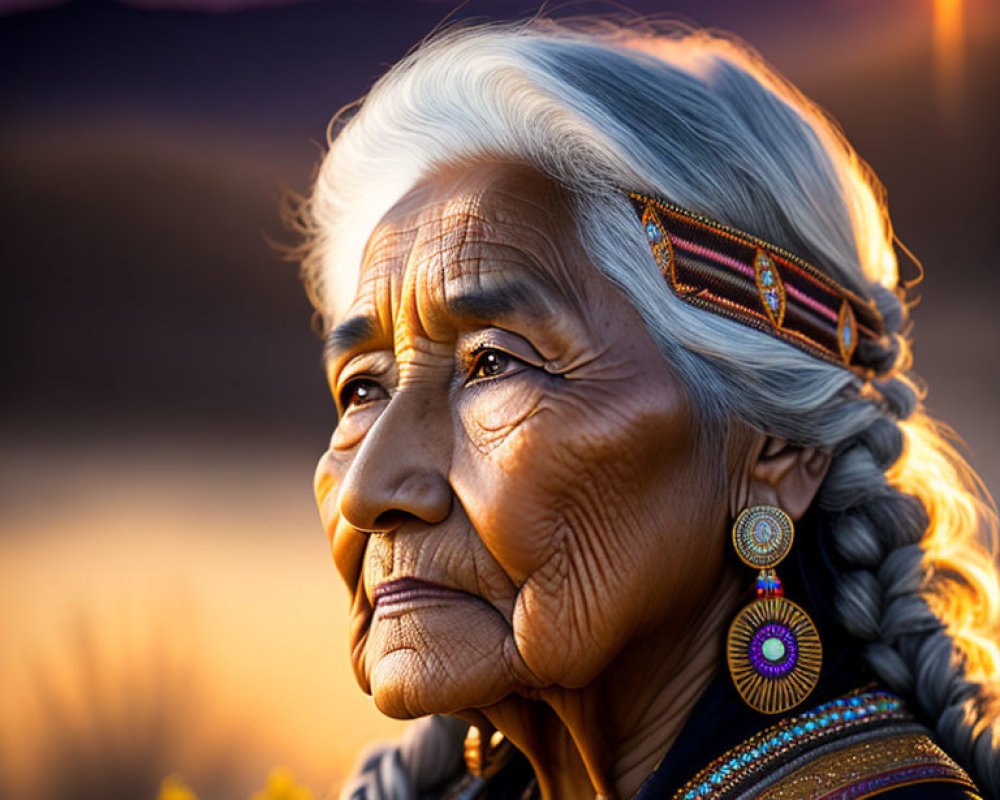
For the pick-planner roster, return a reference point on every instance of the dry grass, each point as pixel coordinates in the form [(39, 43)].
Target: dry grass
[(170, 612)]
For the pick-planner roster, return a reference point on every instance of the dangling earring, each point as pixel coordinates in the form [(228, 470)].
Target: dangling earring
[(773, 649)]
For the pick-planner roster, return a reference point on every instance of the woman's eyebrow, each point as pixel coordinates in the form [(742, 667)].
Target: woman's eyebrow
[(492, 303), (348, 335)]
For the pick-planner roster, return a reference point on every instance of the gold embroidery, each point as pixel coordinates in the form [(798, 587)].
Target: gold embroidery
[(859, 767), (854, 713)]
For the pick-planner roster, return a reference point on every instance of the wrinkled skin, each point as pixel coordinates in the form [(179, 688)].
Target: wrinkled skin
[(509, 429)]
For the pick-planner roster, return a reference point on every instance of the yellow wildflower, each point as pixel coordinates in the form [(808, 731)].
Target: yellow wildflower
[(281, 785), (173, 788)]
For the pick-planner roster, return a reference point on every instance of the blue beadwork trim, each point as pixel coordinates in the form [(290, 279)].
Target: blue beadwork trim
[(807, 729)]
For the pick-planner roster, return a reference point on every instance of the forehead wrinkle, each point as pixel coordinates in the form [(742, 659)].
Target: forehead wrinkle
[(470, 236), (482, 239), (422, 274), (456, 213), (436, 236), (386, 247), (491, 267), (482, 278), (555, 229), (378, 282), (548, 258), (536, 251), (472, 217)]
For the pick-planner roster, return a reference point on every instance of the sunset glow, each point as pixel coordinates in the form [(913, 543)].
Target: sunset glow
[(197, 599), (949, 36)]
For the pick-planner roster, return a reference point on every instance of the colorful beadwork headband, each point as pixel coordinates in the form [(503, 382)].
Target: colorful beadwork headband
[(739, 276)]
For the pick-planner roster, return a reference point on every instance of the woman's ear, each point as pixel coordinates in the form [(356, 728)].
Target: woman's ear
[(779, 474)]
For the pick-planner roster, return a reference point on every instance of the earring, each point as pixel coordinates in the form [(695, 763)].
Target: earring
[(773, 649)]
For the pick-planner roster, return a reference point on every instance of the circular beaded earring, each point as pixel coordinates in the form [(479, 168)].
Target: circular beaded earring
[(773, 649)]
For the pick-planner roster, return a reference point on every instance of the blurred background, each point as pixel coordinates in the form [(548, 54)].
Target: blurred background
[(167, 600)]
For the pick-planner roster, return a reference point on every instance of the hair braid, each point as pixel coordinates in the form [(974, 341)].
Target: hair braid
[(897, 562)]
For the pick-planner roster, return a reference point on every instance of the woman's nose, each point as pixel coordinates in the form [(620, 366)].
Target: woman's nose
[(400, 471)]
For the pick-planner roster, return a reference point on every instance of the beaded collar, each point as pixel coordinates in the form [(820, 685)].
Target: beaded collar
[(864, 710), (850, 747)]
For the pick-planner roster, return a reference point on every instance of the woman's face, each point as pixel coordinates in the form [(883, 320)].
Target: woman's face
[(515, 490)]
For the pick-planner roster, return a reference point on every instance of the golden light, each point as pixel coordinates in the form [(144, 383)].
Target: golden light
[(182, 612), (949, 51)]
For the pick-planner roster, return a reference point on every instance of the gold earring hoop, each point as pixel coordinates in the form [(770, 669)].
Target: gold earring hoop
[(773, 649)]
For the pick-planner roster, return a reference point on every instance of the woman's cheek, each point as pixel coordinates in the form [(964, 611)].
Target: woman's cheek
[(348, 548), (491, 411), (353, 426), (327, 478), (508, 477), (346, 544), (324, 484)]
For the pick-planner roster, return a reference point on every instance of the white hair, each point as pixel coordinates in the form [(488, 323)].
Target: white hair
[(700, 121)]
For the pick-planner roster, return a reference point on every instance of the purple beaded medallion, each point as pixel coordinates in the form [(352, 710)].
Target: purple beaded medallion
[(774, 654), (773, 662)]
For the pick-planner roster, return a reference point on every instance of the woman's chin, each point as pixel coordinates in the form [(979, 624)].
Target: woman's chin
[(438, 661), (401, 688)]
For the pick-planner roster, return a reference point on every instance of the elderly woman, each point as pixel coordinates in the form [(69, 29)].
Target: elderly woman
[(629, 476)]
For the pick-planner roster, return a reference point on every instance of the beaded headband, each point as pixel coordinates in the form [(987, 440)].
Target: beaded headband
[(741, 277)]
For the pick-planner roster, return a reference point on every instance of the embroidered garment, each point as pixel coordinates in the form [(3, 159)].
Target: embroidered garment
[(860, 744), (863, 743)]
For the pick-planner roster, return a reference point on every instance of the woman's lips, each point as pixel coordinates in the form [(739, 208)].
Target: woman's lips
[(403, 591)]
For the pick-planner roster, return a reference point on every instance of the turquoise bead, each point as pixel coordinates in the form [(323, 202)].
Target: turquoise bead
[(773, 649)]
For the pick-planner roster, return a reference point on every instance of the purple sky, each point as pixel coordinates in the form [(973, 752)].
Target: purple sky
[(144, 153)]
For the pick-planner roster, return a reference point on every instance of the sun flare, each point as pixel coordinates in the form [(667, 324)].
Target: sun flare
[(949, 36)]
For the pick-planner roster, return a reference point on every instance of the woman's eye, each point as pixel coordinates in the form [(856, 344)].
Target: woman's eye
[(489, 363), (360, 392)]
